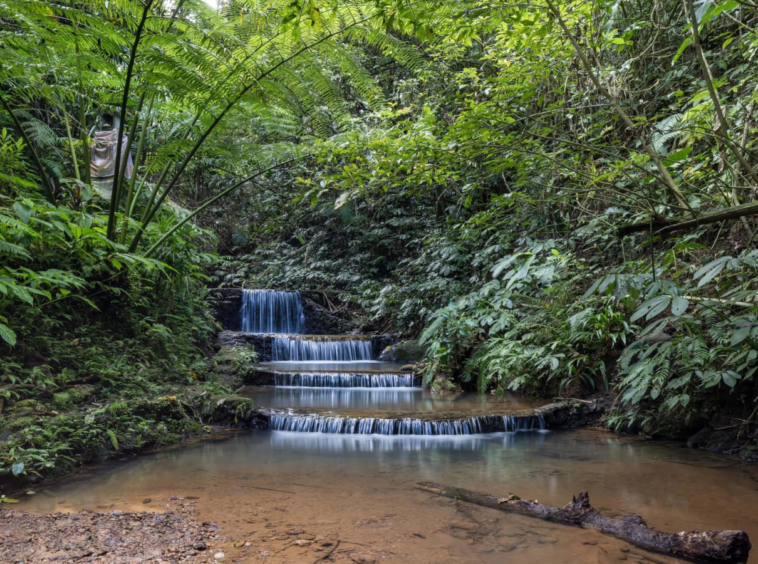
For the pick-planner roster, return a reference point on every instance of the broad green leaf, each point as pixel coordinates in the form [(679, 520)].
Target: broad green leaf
[(22, 211), (7, 335), (740, 334), (709, 271), (679, 305), (678, 156)]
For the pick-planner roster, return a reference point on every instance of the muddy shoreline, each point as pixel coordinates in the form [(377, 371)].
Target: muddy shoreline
[(114, 537)]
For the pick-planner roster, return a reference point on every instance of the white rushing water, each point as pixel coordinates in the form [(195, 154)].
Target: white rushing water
[(271, 311), (405, 426), (345, 380), (286, 348)]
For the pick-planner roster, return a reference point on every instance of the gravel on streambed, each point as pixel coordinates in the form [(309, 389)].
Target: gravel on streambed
[(112, 537)]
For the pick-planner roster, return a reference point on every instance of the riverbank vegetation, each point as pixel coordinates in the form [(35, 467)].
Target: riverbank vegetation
[(557, 198)]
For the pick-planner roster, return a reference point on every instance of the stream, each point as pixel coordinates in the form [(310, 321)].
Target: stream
[(359, 489), (337, 490)]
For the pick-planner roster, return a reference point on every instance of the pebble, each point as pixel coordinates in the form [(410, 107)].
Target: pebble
[(219, 556), (302, 542)]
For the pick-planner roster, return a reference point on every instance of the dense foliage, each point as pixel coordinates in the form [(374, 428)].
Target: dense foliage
[(558, 199), (555, 197)]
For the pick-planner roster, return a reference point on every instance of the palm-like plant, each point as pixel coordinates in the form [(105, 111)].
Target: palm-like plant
[(186, 71)]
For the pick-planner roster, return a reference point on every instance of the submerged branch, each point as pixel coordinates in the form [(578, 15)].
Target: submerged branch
[(727, 547)]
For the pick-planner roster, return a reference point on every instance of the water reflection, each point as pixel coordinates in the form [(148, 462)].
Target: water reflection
[(338, 398), (340, 444), (374, 366)]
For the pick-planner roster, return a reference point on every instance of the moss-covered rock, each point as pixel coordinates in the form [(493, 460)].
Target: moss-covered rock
[(73, 396), (233, 364), (405, 351)]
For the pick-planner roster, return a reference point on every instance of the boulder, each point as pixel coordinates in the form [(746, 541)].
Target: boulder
[(404, 351)]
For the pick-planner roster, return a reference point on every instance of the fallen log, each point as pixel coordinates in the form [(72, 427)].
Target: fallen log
[(665, 225), (727, 547)]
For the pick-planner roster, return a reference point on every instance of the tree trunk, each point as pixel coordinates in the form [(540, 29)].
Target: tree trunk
[(729, 547)]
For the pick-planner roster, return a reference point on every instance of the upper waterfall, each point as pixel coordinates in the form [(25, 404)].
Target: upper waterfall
[(271, 311)]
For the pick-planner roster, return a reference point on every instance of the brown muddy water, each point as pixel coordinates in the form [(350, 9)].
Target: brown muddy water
[(294, 497)]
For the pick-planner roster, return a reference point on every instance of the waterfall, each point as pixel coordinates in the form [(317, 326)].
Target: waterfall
[(406, 426), (530, 423), (339, 380), (271, 311), (285, 348)]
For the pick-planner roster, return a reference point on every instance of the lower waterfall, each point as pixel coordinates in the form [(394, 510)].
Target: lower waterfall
[(339, 380), (286, 348), (406, 426)]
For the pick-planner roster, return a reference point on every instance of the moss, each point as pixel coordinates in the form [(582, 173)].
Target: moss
[(18, 423), (442, 384), (229, 409)]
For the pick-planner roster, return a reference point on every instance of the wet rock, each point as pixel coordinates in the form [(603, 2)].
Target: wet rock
[(573, 414), (147, 500), (405, 351), (295, 532)]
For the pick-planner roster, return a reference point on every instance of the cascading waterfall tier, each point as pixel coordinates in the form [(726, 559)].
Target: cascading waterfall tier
[(407, 426), (271, 311), (512, 423), (286, 348), (339, 380)]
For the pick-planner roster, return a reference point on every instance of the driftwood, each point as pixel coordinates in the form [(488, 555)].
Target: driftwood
[(729, 547)]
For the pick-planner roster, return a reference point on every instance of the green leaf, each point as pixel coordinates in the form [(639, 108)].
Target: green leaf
[(679, 305), (7, 335), (702, 7), (114, 439), (23, 212), (17, 468), (682, 47), (740, 334), (678, 156), (730, 378), (651, 307), (709, 271)]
